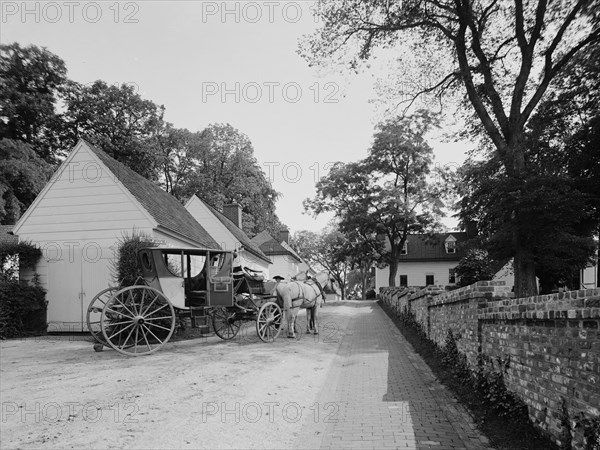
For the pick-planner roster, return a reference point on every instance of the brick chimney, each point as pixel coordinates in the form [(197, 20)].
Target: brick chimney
[(284, 236), (234, 213)]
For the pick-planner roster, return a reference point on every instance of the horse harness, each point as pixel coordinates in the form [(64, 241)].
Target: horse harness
[(315, 281)]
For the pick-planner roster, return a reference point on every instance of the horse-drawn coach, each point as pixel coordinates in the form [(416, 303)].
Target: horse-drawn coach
[(176, 282)]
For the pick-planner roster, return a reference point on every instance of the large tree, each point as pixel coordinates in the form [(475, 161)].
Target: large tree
[(118, 120), (218, 165), (560, 194), (23, 174), (504, 54), (31, 80), (390, 194)]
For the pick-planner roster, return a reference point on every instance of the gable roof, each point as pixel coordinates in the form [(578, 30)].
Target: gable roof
[(271, 247), (425, 247), (239, 234), (168, 212), (5, 237)]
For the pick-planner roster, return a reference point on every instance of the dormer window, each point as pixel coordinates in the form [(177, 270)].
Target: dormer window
[(404, 249), (450, 244)]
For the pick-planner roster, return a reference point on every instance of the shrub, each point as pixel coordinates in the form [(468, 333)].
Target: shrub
[(371, 295), (22, 309), (22, 306), (28, 256), (474, 266), (125, 267)]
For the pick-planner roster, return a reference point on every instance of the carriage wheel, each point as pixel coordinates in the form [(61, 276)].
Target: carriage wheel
[(225, 324), (137, 320), (268, 321), (94, 313)]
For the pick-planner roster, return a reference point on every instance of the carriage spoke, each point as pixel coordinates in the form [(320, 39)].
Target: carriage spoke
[(155, 311), (146, 339), (131, 301), (157, 318), (124, 345), (150, 331), (124, 306), (150, 305), (142, 300), (119, 313), (120, 331), (136, 339), (160, 326)]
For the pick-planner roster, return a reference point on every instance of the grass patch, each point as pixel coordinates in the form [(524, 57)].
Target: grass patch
[(505, 425)]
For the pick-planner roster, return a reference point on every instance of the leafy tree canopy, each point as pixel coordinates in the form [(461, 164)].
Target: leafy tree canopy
[(324, 251), (23, 174), (503, 54), (390, 194), (32, 79), (218, 165), (117, 119)]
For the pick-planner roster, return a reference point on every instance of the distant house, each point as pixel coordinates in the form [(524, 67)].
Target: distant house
[(426, 260), (89, 204), (226, 228), (286, 261)]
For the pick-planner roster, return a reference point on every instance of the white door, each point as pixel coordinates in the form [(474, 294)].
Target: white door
[(73, 281), (65, 305), (96, 275)]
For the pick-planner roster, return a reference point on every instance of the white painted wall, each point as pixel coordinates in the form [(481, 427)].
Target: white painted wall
[(223, 236), (506, 274), (284, 265), (416, 272)]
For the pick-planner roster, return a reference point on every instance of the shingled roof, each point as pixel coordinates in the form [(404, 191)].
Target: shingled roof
[(424, 247), (239, 234), (168, 212), (271, 247)]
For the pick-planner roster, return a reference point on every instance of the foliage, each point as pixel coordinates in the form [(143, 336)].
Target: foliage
[(382, 199), (22, 306), (23, 175), (324, 250), (28, 254), (219, 166), (591, 430), (22, 309), (473, 267), (116, 119), (504, 55), (32, 79), (558, 197), (125, 267)]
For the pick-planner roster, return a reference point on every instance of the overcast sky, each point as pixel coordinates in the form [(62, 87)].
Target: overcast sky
[(221, 62)]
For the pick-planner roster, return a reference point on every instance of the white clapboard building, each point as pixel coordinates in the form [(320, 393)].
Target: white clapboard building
[(91, 202), (226, 228)]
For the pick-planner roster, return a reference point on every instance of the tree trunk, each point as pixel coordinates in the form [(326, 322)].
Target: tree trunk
[(524, 268), (393, 272), (364, 275)]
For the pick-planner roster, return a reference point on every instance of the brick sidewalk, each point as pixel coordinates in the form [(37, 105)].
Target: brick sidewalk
[(381, 394)]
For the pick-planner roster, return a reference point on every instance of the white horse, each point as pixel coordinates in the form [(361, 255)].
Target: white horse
[(305, 294)]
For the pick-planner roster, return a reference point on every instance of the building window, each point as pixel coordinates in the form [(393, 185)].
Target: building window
[(429, 280), (451, 276), (404, 280), (404, 249), (450, 246)]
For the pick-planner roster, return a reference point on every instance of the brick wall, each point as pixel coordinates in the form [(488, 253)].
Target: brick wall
[(552, 343)]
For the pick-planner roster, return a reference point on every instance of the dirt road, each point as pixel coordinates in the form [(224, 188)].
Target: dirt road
[(59, 393)]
